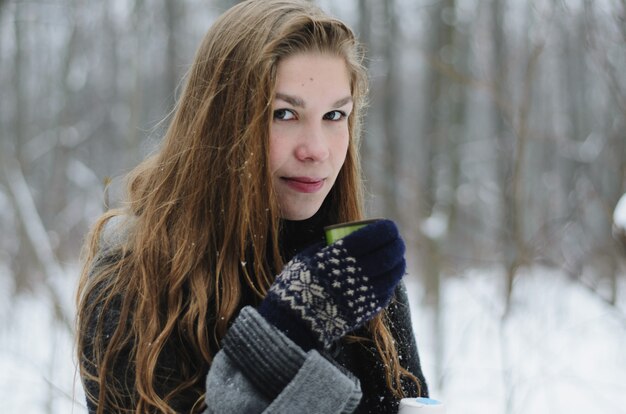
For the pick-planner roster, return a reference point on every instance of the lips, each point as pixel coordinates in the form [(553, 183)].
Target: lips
[(304, 184)]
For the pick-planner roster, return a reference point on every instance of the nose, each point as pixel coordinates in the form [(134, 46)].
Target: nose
[(313, 145)]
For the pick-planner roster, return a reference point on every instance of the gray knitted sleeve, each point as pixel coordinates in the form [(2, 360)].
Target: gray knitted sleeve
[(269, 360), (260, 370)]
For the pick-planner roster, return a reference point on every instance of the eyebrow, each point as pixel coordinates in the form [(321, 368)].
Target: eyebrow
[(299, 103)]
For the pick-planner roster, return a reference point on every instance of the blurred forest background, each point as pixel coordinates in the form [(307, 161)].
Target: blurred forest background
[(496, 134)]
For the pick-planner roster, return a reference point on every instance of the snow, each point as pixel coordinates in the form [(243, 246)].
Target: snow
[(619, 215), (559, 351), (435, 226), (36, 361)]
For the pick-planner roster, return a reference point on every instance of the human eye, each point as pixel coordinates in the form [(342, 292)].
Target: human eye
[(334, 115), (284, 114)]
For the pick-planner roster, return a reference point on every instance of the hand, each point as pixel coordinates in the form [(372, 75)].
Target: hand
[(325, 292)]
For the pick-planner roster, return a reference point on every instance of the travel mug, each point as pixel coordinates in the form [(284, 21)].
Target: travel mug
[(421, 406), (338, 231)]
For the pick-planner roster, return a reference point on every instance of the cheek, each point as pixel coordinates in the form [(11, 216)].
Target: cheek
[(276, 153), (340, 149)]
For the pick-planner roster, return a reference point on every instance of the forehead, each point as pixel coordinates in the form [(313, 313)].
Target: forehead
[(313, 72)]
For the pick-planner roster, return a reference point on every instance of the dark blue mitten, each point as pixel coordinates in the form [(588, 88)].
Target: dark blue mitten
[(325, 292)]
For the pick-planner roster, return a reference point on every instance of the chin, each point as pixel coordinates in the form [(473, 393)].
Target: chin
[(299, 216)]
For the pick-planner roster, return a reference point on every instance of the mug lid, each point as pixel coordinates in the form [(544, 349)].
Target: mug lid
[(351, 223)]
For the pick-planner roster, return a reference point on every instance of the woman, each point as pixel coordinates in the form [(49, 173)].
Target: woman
[(211, 290)]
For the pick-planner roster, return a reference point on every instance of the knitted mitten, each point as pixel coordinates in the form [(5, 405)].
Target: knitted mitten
[(325, 292)]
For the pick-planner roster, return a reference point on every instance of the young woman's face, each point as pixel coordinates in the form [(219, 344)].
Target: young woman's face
[(309, 134)]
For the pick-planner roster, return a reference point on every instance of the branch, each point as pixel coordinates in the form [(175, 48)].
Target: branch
[(36, 233)]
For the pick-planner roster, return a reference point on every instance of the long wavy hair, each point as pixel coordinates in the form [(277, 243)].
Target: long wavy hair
[(202, 221)]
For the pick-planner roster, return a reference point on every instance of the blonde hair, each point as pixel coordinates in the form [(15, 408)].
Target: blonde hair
[(203, 221)]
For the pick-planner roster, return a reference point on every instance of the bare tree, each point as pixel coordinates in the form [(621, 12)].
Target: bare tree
[(173, 13), (439, 156), (365, 37), (14, 150), (390, 99)]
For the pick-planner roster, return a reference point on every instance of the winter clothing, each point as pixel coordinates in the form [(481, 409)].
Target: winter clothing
[(262, 368), (335, 289)]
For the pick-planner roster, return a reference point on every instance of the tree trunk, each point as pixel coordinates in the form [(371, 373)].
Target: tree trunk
[(172, 21), (365, 37), (436, 146), (392, 158), (21, 264)]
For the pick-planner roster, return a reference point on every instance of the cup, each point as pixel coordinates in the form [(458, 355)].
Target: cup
[(421, 406), (338, 231)]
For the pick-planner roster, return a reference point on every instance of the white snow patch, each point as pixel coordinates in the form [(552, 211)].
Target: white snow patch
[(435, 226), (619, 215), (37, 361)]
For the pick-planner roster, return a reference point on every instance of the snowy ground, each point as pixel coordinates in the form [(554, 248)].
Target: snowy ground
[(37, 372), (560, 351)]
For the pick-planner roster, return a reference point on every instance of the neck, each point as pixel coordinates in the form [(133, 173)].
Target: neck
[(297, 235)]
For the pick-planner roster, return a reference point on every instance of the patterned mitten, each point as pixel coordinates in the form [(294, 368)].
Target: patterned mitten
[(325, 292)]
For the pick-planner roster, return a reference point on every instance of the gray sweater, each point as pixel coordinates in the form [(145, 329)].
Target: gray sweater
[(260, 370)]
